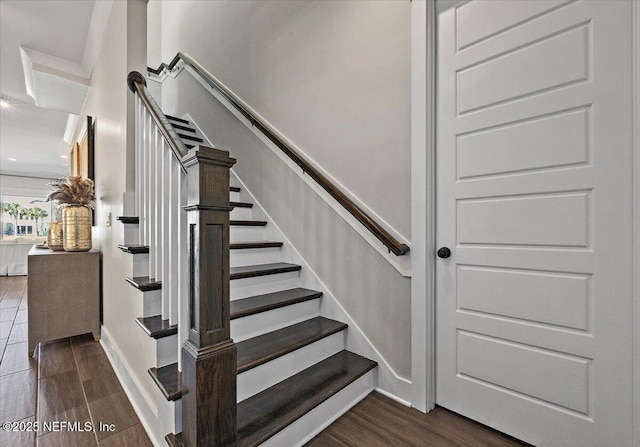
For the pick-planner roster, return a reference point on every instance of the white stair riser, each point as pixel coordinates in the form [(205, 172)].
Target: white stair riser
[(246, 287), (166, 350), (240, 213), (264, 322), (151, 303), (139, 264), (305, 428), (254, 256), (262, 377), (131, 234), (241, 233), (234, 196)]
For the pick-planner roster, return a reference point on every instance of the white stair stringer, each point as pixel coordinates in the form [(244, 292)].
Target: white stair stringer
[(261, 377)]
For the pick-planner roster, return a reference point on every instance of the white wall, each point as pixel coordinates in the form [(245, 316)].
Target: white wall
[(334, 78)]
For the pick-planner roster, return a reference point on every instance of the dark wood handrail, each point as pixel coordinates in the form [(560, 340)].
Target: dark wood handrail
[(138, 85), (394, 246)]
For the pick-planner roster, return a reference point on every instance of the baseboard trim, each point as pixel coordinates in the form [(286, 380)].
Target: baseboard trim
[(142, 403)]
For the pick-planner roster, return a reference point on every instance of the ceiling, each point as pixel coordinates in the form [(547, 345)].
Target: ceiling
[(33, 135)]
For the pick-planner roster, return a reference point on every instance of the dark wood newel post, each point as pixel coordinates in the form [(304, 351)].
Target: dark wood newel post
[(209, 354)]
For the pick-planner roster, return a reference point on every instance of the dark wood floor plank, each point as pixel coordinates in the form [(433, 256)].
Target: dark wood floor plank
[(108, 404), (258, 350), (380, 421), (92, 361), (55, 358), (23, 437), (60, 398), (18, 395), (351, 432), (134, 436), (16, 358), (67, 439)]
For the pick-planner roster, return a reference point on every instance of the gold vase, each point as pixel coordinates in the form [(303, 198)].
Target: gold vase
[(54, 236), (76, 227)]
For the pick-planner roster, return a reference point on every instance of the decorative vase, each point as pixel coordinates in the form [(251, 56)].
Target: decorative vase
[(54, 236), (76, 226)]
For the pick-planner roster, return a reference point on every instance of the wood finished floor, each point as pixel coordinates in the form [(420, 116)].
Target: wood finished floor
[(67, 380), (378, 421)]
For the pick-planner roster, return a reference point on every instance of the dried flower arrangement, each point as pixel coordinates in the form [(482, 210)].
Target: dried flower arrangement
[(73, 190)]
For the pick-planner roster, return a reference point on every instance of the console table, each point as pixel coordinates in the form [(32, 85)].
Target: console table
[(63, 294)]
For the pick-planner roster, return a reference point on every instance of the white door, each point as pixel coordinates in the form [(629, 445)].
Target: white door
[(534, 199)]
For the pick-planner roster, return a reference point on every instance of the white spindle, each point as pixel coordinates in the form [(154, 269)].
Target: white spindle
[(166, 206), (151, 203), (146, 166), (161, 194), (183, 268), (174, 198), (138, 143)]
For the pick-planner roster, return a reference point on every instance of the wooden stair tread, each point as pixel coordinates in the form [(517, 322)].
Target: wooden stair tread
[(254, 244), (169, 380), (248, 223), (190, 138), (262, 303), (185, 128), (129, 219), (241, 204), (134, 249), (250, 271), (257, 351), (265, 414), (144, 283), (173, 118), (156, 327), (234, 188), (263, 348)]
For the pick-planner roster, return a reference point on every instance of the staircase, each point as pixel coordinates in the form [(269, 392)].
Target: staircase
[(294, 375)]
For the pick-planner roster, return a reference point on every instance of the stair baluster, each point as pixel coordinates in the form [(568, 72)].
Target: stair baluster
[(184, 220)]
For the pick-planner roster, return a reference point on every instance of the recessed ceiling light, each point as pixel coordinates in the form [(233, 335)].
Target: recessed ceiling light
[(12, 159), (4, 104), (64, 156)]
